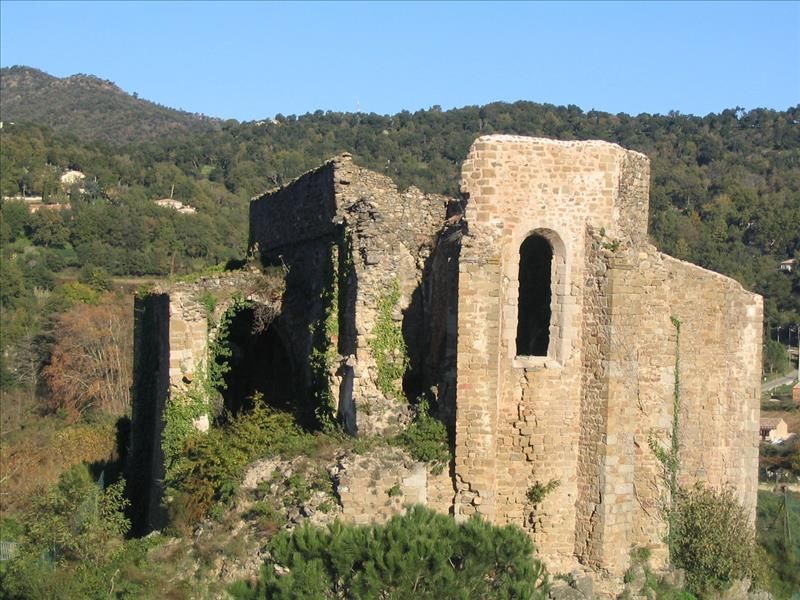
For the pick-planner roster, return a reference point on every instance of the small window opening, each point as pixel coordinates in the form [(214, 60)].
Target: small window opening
[(534, 312)]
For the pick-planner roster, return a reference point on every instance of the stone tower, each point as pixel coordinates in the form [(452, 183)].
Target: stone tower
[(567, 349)]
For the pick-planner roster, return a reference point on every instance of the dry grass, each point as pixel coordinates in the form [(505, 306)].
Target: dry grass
[(34, 457)]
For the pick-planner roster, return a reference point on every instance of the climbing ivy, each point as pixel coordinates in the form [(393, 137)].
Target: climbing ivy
[(669, 457), (323, 350), (185, 406), (388, 346)]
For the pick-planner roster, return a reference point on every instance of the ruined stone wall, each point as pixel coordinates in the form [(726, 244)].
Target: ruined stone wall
[(351, 231), (393, 234), (295, 229), (171, 340), (301, 211), (373, 488), (720, 374), (583, 413)]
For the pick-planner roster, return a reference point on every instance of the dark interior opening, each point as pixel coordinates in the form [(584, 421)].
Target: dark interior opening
[(533, 322), (259, 362)]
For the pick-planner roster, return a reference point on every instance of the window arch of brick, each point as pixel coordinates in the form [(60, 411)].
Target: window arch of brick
[(541, 275)]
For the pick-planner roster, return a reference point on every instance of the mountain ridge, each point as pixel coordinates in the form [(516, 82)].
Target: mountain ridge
[(91, 108)]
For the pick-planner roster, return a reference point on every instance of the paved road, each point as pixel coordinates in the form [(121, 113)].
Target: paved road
[(771, 385)]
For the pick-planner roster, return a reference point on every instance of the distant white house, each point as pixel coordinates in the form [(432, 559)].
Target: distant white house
[(773, 429), (175, 205), (787, 266), (70, 177)]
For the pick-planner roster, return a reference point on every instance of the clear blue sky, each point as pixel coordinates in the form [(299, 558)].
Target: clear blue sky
[(253, 60)]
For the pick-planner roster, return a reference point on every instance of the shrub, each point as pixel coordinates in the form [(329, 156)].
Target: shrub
[(778, 521), (714, 540), (209, 469), (426, 438), (72, 541), (419, 555)]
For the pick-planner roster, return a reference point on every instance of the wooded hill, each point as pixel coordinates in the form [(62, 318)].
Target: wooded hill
[(90, 107), (725, 187)]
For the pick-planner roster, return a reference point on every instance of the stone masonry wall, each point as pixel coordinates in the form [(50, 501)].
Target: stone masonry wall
[(518, 420), (393, 234), (171, 339), (583, 413), (376, 235)]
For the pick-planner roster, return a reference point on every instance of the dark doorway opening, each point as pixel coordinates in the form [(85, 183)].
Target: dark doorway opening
[(259, 362), (534, 312)]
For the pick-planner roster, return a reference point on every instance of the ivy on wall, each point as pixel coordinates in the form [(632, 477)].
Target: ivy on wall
[(670, 457), (388, 346), (185, 406)]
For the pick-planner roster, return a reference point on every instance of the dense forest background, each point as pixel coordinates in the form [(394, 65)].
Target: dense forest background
[(725, 188)]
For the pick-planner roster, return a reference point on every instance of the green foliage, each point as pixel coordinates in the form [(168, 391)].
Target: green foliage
[(80, 293), (426, 438), (388, 346), (776, 359), (209, 302), (96, 278), (71, 542), (324, 354), (180, 413), (267, 517), (778, 526), (641, 581), (209, 468), (186, 406), (537, 492), (419, 555), (713, 540)]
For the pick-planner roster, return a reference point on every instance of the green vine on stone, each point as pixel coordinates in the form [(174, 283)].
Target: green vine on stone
[(388, 346), (185, 406), (538, 491), (670, 457), (324, 351)]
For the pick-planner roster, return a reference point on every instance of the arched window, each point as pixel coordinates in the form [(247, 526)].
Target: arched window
[(535, 295)]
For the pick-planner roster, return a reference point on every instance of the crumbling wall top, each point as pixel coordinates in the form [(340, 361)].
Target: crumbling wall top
[(485, 141), (508, 177)]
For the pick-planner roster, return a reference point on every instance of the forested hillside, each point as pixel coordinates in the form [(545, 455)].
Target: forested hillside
[(92, 108), (725, 189)]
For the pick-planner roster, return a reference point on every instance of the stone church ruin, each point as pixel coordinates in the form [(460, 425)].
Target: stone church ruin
[(535, 315)]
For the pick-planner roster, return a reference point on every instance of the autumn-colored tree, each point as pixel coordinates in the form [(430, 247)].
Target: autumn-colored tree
[(91, 362)]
